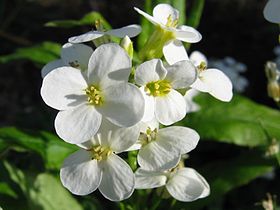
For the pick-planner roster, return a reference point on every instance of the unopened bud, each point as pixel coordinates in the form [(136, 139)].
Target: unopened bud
[(273, 86), (127, 45), (273, 90)]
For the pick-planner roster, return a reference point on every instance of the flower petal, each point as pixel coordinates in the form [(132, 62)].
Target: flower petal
[(271, 11), (79, 174), (162, 11), (170, 108), (158, 156), (117, 180), (187, 34), (148, 17), (76, 55), (197, 57), (130, 31), (149, 71), (191, 105), (187, 185), (117, 138), (148, 179), (149, 113), (218, 83), (123, 104), (174, 51), (181, 74), (108, 65), (51, 66), (63, 88), (77, 125), (86, 37), (200, 85), (182, 138)]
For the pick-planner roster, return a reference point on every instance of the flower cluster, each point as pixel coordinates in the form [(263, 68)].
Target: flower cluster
[(109, 105)]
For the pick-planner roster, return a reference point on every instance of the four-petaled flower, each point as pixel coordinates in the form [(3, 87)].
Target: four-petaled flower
[(166, 18), (84, 97), (96, 165), (158, 84)]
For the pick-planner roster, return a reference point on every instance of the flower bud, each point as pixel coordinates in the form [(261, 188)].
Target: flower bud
[(127, 44), (272, 74)]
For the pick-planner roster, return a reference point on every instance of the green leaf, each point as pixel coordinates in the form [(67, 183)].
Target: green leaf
[(7, 190), (241, 122), (43, 191), (52, 149), (226, 175), (41, 53), (195, 14), (88, 19)]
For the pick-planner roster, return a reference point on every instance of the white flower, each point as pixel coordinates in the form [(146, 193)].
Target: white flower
[(130, 31), (184, 184), (75, 55), (161, 149), (158, 84), (84, 97), (191, 105), (212, 81), (271, 11), (96, 165), (166, 17)]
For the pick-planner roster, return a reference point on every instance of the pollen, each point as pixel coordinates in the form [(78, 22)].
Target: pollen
[(100, 153), (158, 88), (149, 136), (94, 96), (171, 23)]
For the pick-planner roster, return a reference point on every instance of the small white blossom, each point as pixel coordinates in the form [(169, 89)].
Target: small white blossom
[(75, 55), (161, 149), (212, 81), (158, 84), (85, 97), (96, 164), (184, 184), (166, 17), (271, 11), (130, 31)]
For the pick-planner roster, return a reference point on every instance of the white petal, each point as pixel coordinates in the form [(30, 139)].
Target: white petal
[(123, 104), (152, 124), (174, 51), (117, 180), (123, 138), (191, 105), (149, 113), (218, 83), (63, 88), (76, 55), (149, 71), (197, 57), (181, 74), (109, 64), (162, 11), (77, 125), (187, 34), (200, 85), (271, 11), (91, 35), (148, 179), (79, 174), (130, 31), (158, 156), (170, 108), (187, 185), (148, 17), (51, 66), (182, 138)]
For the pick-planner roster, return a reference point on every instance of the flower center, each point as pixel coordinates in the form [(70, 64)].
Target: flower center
[(100, 153), (171, 23), (158, 88), (94, 95), (202, 67), (149, 136)]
